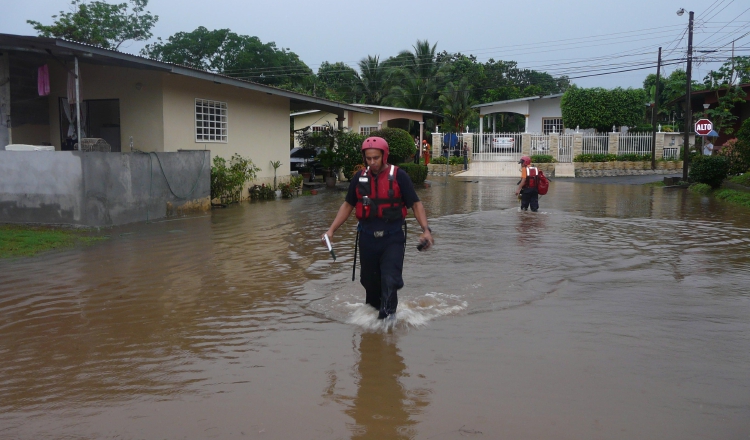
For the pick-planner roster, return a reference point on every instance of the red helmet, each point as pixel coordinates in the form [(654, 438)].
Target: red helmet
[(525, 161), (377, 143)]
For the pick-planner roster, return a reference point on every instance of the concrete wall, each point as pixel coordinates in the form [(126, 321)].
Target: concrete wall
[(101, 189)]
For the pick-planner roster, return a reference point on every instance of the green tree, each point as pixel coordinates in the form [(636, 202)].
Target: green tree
[(374, 79), (231, 54), (101, 24), (725, 84), (600, 108), (339, 81), (456, 102), (419, 77)]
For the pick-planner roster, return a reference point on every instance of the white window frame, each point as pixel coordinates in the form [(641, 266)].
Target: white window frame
[(367, 129), (548, 123), (317, 128), (211, 118)]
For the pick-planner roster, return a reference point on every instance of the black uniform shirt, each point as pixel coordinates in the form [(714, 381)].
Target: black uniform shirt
[(408, 195)]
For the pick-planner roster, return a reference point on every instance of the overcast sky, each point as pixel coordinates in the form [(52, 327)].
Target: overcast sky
[(574, 37)]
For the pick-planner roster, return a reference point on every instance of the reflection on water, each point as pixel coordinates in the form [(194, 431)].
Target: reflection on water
[(238, 320), (382, 407)]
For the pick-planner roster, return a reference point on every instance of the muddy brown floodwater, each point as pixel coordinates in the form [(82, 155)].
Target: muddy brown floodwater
[(618, 312)]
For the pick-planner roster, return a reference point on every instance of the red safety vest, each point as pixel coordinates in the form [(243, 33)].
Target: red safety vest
[(379, 196), (531, 177)]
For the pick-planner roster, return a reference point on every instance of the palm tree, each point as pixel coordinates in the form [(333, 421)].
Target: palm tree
[(372, 80), (456, 104), (419, 75)]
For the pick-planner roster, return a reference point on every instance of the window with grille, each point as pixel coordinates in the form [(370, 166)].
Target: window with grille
[(317, 128), (367, 129), (550, 125), (210, 121)]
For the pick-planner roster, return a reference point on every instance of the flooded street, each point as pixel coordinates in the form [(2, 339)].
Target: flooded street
[(616, 312)]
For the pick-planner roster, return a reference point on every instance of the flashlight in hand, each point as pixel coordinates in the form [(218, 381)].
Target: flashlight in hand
[(330, 248)]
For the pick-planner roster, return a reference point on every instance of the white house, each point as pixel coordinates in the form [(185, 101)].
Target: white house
[(542, 113), (366, 119)]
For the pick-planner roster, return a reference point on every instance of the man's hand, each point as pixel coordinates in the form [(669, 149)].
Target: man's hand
[(329, 233), (426, 239)]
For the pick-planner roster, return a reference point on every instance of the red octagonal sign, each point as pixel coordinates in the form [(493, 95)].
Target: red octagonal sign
[(703, 126)]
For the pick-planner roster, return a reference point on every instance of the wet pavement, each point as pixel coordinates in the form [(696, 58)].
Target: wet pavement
[(617, 311)]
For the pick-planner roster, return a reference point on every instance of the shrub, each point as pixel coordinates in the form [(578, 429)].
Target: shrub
[(227, 181), (417, 172), (400, 143), (262, 192), (440, 160), (542, 158), (632, 157), (700, 188), (711, 170), (453, 160), (595, 158), (349, 151), (287, 190), (737, 151)]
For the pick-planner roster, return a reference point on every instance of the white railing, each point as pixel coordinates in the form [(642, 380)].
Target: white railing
[(671, 153), (595, 144), (565, 149), (496, 147), (636, 143), (539, 144)]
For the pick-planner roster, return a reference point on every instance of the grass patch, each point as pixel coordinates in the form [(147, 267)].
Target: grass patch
[(25, 241), (734, 197), (700, 188), (741, 180)]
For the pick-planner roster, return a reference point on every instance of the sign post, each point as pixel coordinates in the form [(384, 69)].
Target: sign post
[(703, 127)]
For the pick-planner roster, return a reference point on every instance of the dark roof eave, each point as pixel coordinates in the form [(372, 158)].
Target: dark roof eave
[(48, 45)]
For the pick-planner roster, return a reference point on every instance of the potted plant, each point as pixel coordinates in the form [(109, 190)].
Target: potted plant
[(329, 161), (276, 165)]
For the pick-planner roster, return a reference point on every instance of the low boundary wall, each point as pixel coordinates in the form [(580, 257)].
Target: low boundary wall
[(101, 189)]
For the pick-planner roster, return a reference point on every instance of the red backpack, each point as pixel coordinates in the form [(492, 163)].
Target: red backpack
[(538, 181)]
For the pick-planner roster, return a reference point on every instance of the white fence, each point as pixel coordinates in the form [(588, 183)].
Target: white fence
[(636, 143), (595, 144), (509, 147)]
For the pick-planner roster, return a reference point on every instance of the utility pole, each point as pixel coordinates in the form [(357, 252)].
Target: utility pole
[(688, 108), (655, 111)]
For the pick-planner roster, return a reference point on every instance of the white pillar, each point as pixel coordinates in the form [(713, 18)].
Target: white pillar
[(526, 130), (494, 123), (78, 107), (481, 124), (421, 136)]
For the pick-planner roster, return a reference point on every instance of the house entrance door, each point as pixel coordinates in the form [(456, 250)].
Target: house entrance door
[(103, 121)]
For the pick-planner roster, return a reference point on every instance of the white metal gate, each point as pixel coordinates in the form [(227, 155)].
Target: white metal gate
[(496, 147)]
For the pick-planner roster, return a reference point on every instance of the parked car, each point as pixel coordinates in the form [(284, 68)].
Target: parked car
[(503, 144), (301, 158)]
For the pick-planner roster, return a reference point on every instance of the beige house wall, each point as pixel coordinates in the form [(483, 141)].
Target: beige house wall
[(257, 123), (139, 92), (363, 119)]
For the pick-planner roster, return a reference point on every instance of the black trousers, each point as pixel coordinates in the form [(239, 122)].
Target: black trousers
[(529, 197), (382, 263)]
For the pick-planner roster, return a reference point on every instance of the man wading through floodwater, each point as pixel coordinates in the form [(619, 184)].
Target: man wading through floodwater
[(380, 196)]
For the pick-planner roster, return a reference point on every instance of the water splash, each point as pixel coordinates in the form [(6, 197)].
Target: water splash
[(411, 313)]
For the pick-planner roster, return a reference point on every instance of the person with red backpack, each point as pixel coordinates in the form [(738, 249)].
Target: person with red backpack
[(528, 187), (380, 196)]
